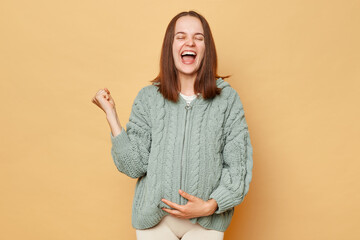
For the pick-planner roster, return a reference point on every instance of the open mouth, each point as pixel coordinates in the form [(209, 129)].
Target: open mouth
[(188, 57)]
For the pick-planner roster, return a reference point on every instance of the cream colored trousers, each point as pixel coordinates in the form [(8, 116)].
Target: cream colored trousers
[(173, 228)]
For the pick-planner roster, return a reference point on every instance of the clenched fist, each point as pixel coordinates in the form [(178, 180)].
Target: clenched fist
[(104, 100)]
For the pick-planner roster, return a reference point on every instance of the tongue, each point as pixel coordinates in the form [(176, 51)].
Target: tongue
[(188, 59)]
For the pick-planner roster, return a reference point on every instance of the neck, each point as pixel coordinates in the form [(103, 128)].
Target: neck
[(187, 84)]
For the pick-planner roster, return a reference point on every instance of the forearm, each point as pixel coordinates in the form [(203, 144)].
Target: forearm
[(114, 122)]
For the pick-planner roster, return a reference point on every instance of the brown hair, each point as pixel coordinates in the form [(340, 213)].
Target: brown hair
[(205, 82)]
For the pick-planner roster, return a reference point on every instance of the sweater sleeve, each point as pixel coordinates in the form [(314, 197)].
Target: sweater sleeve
[(131, 147), (237, 160)]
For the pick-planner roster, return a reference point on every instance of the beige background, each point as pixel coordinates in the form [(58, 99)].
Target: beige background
[(295, 65)]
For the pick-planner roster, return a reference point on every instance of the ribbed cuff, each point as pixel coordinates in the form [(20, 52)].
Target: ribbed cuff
[(120, 141), (121, 144), (224, 199)]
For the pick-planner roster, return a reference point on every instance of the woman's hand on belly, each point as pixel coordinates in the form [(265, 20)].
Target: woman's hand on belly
[(195, 207)]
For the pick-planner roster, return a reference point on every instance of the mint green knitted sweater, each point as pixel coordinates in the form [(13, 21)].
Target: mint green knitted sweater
[(202, 148)]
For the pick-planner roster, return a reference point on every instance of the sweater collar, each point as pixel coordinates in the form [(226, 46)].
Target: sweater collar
[(199, 100)]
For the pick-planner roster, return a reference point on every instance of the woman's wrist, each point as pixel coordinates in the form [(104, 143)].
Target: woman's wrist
[(111, 113), (114, 122), (212, 205)]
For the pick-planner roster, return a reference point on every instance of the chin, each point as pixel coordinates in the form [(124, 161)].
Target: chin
[(188, 73), (191, 71)]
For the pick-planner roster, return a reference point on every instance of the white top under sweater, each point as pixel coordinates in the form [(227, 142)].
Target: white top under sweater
[(188, 99)]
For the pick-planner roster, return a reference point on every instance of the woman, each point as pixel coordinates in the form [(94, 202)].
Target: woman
[(187, 140)]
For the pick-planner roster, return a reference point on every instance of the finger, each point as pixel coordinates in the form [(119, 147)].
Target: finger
[(95, 101), (173, 205), (175, 213), (101, 92), (97, 104), (107, 90), (186, 195), (100, 95)]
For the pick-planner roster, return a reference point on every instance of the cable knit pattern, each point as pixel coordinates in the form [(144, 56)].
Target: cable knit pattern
[(204, 150)]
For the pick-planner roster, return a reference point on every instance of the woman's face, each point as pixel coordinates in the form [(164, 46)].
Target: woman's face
[(189, 45)]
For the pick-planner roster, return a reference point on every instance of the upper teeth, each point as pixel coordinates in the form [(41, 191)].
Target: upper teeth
[(188, 52)]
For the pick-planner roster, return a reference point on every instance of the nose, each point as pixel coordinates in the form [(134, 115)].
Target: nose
[(190, 42)]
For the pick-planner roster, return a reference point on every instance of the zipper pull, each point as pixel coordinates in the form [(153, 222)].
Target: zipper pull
[(187, 106)]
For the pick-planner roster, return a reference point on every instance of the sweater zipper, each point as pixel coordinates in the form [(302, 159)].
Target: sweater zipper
[(187, 107)]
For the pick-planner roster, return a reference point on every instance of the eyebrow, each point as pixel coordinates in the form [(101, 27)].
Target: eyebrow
[(185, 33)]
